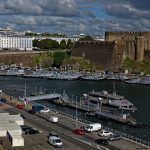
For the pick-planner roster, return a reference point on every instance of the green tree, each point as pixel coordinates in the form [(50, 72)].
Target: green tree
[(128, 63), (35, 43), (69, 44), (59, 57), (62, 44), (86, 38), (55, 44)]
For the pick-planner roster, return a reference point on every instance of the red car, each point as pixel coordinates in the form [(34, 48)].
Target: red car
[(79, 131), (20, 106)]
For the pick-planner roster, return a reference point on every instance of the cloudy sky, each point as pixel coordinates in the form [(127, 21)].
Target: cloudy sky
[(75, 16)]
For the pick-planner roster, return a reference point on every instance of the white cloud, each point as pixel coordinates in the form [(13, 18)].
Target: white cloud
[(74, 16)]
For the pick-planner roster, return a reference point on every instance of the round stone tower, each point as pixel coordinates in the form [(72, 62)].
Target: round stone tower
[(139, 48)]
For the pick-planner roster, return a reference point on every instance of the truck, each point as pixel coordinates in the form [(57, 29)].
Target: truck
[(53, 119), (37, 108), (93, 127)]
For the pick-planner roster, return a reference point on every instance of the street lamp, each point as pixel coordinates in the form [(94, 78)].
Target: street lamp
[(76, 112)]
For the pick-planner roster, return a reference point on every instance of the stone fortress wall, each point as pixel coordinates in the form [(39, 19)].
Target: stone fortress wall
[(117, 46), (100, 53), (137, 44)]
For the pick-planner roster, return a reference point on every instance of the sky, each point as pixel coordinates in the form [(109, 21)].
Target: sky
[(71, 17)]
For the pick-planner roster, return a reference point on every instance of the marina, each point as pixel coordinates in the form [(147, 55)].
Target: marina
[(56, 74)]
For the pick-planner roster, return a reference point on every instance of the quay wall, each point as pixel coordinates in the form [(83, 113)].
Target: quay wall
[(29, 59)]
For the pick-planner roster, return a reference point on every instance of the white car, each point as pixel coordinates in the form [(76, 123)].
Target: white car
[(104, 132), (55, 141), (46, 110)]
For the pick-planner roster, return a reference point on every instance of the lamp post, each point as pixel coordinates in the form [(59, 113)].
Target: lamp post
[(76, 112)]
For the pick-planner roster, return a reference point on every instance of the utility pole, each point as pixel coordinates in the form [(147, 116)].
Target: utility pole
[(25, 91), (76, 112)]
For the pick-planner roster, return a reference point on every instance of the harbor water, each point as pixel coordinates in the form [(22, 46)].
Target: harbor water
[(139, 95)]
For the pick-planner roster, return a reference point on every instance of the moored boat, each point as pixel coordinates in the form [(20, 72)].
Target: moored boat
[(110, 106)]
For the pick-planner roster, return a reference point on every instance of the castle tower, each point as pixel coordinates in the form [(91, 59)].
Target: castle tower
[(139, 48)]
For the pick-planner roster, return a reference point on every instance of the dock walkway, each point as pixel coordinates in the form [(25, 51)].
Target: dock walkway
[(42, 97)]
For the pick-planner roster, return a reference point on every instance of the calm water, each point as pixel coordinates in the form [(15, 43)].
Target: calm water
[(138, 94)]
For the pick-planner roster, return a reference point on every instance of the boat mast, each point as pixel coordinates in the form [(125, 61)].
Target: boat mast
[(114, 88)]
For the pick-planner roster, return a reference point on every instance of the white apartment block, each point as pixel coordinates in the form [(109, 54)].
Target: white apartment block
[(15, 42)]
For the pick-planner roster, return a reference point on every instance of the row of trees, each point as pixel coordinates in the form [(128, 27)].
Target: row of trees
[(87, 38), (49, 44), (45, 34)]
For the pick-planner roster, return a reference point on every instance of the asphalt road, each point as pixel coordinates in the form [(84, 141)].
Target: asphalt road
[(65, 134), (85, 142)]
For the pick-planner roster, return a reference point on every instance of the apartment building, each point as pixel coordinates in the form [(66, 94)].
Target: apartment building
[(15, 42)]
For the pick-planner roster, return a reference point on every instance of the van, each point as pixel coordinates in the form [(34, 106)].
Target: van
[(53, 119), (93, 127), (55, 141)]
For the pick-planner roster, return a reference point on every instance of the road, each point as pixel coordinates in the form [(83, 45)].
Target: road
[(85, 142), (68, 137)]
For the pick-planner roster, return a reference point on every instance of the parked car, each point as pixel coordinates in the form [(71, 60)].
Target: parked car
[(104, 132), (31, 131), (114, 137), (55, 141), (53, 133), (3, 100), (25, 128), (46, 110), (20, 106), (79, 131), (102, 141)]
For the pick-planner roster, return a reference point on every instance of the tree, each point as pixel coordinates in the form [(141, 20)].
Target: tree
[(55, 44), (59, 57), (86, 38), (35, 43), (62, 44), (69, 44)]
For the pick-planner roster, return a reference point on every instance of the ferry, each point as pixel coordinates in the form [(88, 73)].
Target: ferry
[(109, 99), (110, 106)]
